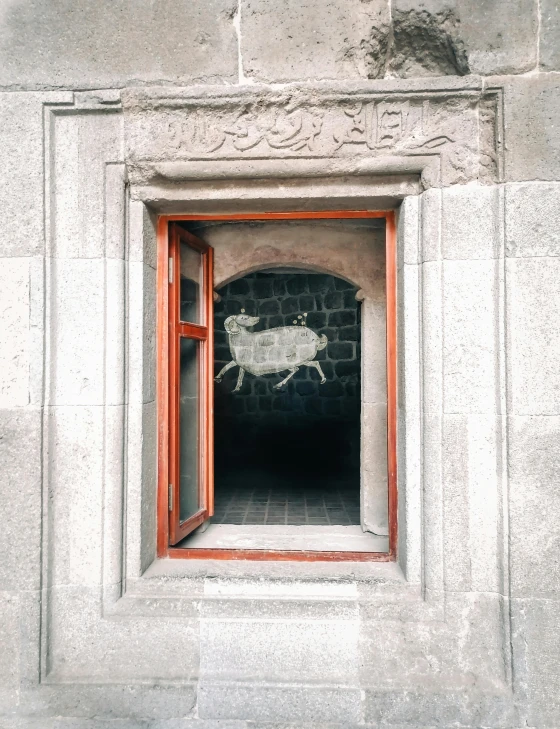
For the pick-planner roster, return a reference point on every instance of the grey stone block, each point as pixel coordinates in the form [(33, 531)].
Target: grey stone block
[(532, 142), (431, 211), (9, 655), (85, 647), (470, 222), (339, 39), (536, 647), (21, 193), (533, 317), (89, 213), (20, 498), (427, 709), (103, 45), (108, 702), (471, 502), (549, 37), (532, 219), (500, 36), (15, 355), (534, 506), (293, 651), (408, 231), (442, 37), (277, 703), (470, 346), (77, 356)]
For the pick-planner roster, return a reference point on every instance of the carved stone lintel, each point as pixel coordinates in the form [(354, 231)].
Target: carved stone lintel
[(456, 127)]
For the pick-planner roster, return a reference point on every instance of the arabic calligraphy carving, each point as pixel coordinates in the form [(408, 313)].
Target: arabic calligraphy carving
[(279, 128), (388, 125)]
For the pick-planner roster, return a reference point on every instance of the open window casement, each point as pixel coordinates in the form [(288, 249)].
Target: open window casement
[(190, 383)]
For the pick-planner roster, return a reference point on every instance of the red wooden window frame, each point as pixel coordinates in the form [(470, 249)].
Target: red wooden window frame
[(169, 529)]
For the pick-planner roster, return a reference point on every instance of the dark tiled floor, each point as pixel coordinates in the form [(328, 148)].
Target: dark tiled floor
[(254, 499)]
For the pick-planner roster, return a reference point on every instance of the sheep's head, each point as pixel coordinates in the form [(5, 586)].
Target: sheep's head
[(233, 324)]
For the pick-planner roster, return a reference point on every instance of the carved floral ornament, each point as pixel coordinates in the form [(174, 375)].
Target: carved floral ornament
[(460, 128)]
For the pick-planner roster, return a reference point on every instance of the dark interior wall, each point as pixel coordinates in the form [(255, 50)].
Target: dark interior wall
[(306, 424)]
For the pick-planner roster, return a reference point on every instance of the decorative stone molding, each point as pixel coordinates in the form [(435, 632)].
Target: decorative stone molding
[(448, 135)]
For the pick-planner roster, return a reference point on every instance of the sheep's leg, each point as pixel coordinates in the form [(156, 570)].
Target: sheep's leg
[(222, 372), (239, 379), (317, 366), (293, 370)]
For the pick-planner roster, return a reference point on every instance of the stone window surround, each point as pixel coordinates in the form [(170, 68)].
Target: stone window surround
[(142, 568), (129, 572)]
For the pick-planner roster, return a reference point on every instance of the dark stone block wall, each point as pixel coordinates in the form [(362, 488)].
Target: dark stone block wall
[(306, 421)]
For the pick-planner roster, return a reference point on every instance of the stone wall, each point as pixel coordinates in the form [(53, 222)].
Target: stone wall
[(260, 414), (461, 631)]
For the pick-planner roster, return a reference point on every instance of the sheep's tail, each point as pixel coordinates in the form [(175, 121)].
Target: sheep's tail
[(323, 341)]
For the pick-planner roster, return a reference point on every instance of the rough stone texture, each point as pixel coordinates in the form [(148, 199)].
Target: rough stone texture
[(500, 36), (549, 37), (532, 142), (534, 484), (536, 645), (308, 40), (533, 314), (104, 44), (20, 498), (431, 38), (21, 187), (532, 219), (14, 354)]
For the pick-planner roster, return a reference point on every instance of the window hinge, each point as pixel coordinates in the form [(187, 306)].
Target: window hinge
[(170, 497), (170, 270)]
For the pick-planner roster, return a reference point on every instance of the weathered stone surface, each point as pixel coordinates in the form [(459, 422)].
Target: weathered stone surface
[(103, 45), (532, 219), (472, 502), (533, 316), (427, 40), (549, 37), (534, 468), (314, 704), (292, 651), (21, 186), (77, 351), (442, 37), (75, 481), (500, 36), (408, 231), (470, 222), (89, 215), (15, 355), (204, 134), (79, 638), (536, 646), (309, 40), (9, 655), (470, 348), (108, 702), (20, 498), (532, 142)]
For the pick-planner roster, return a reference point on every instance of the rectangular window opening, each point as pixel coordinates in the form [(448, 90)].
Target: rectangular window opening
[(277, 386)]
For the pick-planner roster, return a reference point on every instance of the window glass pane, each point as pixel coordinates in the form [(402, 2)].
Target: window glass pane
[(191, 285), (189, 425)]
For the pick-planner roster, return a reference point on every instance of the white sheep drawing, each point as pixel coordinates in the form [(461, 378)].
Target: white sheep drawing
[(270, 351)]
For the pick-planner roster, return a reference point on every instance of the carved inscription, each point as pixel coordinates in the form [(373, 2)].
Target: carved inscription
[(276, 128), (389, 125), (226, 125)]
